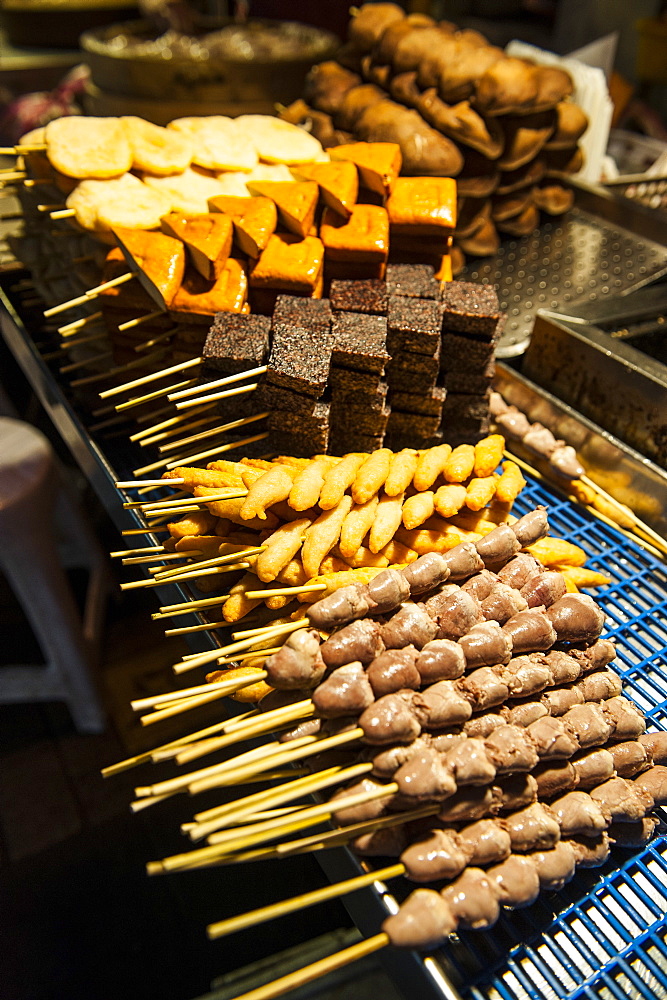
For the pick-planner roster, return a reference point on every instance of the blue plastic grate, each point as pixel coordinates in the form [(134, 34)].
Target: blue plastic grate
[(602, 934)]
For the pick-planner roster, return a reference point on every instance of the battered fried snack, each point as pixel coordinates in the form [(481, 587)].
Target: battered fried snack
[(308, 483), (580, 576), (488, 455), (356, 526), (323, 534), (510, 483), (101, 205), (338, 479), (253, 693), (402, 468), (371, 475), (418, 509), (430, 464), (237, 605), (388, 518), (271, 487), (281, 547), (198, 523), (480, 492), (556, 551), (277, 141), (448, 500), (155, 149), (215, 478), (460, 464)]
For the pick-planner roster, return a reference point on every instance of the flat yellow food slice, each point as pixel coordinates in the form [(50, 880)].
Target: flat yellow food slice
[(289, 263), (157, 260), (121, 201), (189, 191), (296, 202), (277, 141), (218, 143), (254, 220), (208, 239), (338, 183), (379, 163), (155, 149), (88, 147)]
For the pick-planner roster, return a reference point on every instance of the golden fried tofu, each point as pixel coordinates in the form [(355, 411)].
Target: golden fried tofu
[(158, 260), (338, 183), (378, 163), (290, 263), (226, 293), (296, 202), (207, 238), (363, 238), (254, 219), (422, 206)]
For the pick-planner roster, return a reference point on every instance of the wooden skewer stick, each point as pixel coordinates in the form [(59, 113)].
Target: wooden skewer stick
[(307, 588), (148, 397), (188, 459), (70, 328), (185, 706), (219, 382), (86, 362), (210, 418), (222, 560), (264, 913), (240, 809), (131, 323), (130, 484), (119, 369), (180, 418), (153, 377), (167, 610), (146, 345), (213, 432), (213, 655), (214, 571), (170, 556), (226, 493), (187, 629), (215, 396), (627, 512), (141, 531), (90, 294), (62, 213)]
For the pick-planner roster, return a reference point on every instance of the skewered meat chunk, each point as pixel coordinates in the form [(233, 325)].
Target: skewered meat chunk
[(656, 746), (627, 719), (531, 527), (485, 645), (469, 763), (654, 781), (481, 584), (387, 842), (437, 855), (513, 422), (555, 867), (629, 759), (309, 727), (558, 701), (524, 712), (440, 660), (391, 719), (298, 664), (596, 656), (591, 724), (487, 840), (469, 804), (527, 675), (498, 546), (510, 748), (342, 606), (502, 603), (591, 852), (543, 589), (576, 618), (635, 834), (425, 777), (481, 726), (365, 811), (516, 792), (455, 613), (540, 440), (388, 589), (394, 670), (424, 921), (442, 705), (531, 631), (579, 814), (555, 778), (360, 640), (346, 691), (516, 881), (387, 762), (427, 572), (600, 685), (564, 668), (472, 900), (519, 570), (592, 768), (533, 829), (463, 560), (564, 460), (409, 626), (553, 738), (624, 800), (485, 687)]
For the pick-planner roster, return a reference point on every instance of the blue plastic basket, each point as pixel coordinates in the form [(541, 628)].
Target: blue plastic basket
[(602, 934)]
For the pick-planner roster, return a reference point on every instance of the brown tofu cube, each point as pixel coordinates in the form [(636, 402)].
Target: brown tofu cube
[(363, 238)]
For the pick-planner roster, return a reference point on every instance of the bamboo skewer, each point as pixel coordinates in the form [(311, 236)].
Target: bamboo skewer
[(148, 397), (232, 425), (153, 377), (70, 328), (214, 571), (189, 629), (187, 459), (90, 294), (146, 441), (215, 396), (86, 362), (222, 560), (128, 366), (131, 323), (167, 610), (218, 383), (226, 493)]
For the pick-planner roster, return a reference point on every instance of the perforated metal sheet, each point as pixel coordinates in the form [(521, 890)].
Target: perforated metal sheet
[(577, 258)]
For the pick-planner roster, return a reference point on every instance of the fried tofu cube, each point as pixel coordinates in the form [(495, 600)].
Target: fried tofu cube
[(363, 238), (338, 183), (158, 261), (422, 206), (254, 219), (378, 163), (207, 238), (296, 202), (290, 263), (227, 293)]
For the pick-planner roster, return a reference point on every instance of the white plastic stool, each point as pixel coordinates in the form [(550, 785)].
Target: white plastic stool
[(29, 486)]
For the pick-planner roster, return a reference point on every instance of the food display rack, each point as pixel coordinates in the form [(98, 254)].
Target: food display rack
[(602, 934)]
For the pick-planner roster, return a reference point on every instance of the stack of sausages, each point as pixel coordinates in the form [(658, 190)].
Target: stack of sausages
[(482, 689), (459, 107)]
